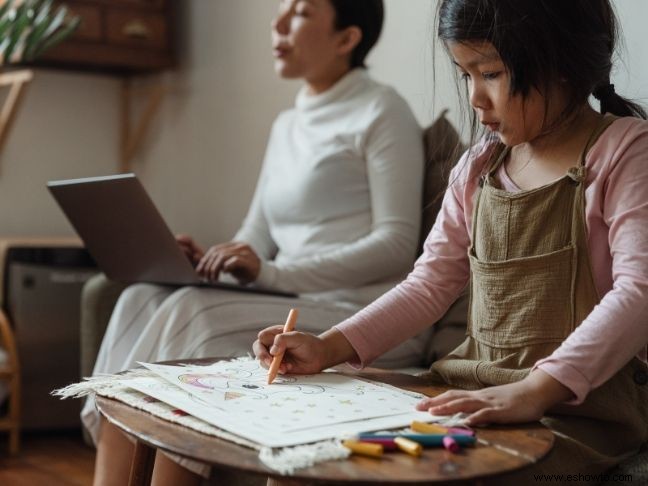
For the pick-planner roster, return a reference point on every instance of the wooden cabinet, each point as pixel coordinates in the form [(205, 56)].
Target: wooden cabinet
[(121, 36)]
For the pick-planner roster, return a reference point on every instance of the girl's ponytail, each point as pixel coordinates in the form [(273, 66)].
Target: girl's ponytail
[(612, 102)]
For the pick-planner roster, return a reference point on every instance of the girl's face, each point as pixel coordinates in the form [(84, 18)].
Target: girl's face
[(515, 119), (305, 42)]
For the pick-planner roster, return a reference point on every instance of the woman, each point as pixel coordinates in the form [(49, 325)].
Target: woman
[(335, 217)]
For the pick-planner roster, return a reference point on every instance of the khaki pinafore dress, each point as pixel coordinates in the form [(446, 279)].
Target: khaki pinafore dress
[(531, 285)]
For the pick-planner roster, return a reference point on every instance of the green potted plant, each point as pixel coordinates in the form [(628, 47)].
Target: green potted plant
[(30, 27)]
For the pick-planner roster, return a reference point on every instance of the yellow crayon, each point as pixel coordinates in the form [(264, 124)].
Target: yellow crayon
[(423, 428), (409, 446), (364, 448)]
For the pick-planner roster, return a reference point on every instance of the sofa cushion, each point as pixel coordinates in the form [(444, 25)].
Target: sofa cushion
[(443, 148)]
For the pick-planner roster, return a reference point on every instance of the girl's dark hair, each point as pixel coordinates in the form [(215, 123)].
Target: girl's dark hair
[(545, 41), (368, 16)]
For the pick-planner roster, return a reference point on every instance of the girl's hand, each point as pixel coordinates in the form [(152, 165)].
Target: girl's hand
[(237, 259), (190, 248), (304, 353), (524, 401)]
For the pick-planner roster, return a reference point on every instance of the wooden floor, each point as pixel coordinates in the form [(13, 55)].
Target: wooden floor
[(60, 459)]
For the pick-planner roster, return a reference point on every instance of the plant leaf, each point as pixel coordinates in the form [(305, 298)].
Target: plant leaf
[(8, 5), (59, 36), (28, 30), (18, 27)]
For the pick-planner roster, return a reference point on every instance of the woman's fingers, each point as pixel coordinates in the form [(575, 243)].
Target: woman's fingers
[(209, 255), (244, 267), (209, 263), (239, 255), (200, 268), (216, 264), (183, 239), (190, 248)]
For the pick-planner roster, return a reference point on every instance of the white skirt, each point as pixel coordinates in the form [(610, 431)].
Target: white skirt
[(154, 323)]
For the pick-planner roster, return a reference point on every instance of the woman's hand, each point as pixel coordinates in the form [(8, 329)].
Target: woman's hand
[(304, 353), (237, 259), (524, 401), (190, 248)]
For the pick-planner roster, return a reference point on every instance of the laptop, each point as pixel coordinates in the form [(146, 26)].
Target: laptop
[(126, 235)]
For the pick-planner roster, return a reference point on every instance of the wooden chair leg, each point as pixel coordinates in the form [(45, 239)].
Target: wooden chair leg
[(142, 465), (14, 414), (11, 373), (283, 482)]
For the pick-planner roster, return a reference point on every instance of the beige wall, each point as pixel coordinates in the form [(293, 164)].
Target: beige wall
[(203, 154), (66, 128)]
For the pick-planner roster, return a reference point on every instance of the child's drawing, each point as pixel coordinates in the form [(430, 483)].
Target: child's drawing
[(258, 420), (238, 388), (294, 402)]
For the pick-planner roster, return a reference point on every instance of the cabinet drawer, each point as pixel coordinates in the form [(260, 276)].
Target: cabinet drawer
[(140, 3), (90, 26), (150, 4), (136, 29)]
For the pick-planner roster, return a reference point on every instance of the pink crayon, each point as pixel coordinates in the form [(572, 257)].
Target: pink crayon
[(461, 431), (388, 444), (451, 445)]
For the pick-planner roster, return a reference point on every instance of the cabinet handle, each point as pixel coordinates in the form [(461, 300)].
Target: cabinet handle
[(136, 29)]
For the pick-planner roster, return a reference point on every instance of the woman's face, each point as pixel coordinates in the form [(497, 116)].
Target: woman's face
[(515, 119), (305, 42)]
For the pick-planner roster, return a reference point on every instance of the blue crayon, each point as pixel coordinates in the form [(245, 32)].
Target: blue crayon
[(430, 440)]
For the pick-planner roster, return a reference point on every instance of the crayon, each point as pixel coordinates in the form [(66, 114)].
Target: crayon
[(364, 448), (426, 440), (409, 446), (460, 431), (450, 444), (276, 361), (388, 444), (425, 428)]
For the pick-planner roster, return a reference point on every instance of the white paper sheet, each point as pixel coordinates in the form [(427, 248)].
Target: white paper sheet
[(294, 410)]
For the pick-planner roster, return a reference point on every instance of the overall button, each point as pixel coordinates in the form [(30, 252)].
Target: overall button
[(640, 377)]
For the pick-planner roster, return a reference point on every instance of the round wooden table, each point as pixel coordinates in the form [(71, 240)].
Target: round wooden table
[(498, 449)]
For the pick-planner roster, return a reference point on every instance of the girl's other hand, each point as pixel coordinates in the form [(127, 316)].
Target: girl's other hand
[(304, 353), (237, 259), (190, 248), (524, 401)]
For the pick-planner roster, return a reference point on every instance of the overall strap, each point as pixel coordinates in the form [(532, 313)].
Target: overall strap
[(605, 122), (496, 159), (579, 172)]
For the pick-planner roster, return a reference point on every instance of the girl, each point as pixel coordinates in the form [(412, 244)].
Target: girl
[(545, 219), (335, 217)]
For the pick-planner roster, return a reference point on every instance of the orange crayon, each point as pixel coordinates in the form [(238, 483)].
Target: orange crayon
[(276, 361)]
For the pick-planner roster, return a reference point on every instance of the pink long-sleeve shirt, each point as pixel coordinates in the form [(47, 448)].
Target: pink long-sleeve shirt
[(617, 229)]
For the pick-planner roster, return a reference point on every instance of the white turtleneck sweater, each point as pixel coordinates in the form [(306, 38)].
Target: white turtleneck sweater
[(337, 208)]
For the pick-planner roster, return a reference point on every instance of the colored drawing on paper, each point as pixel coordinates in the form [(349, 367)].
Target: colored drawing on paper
[(248, 386), (294, 402)]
